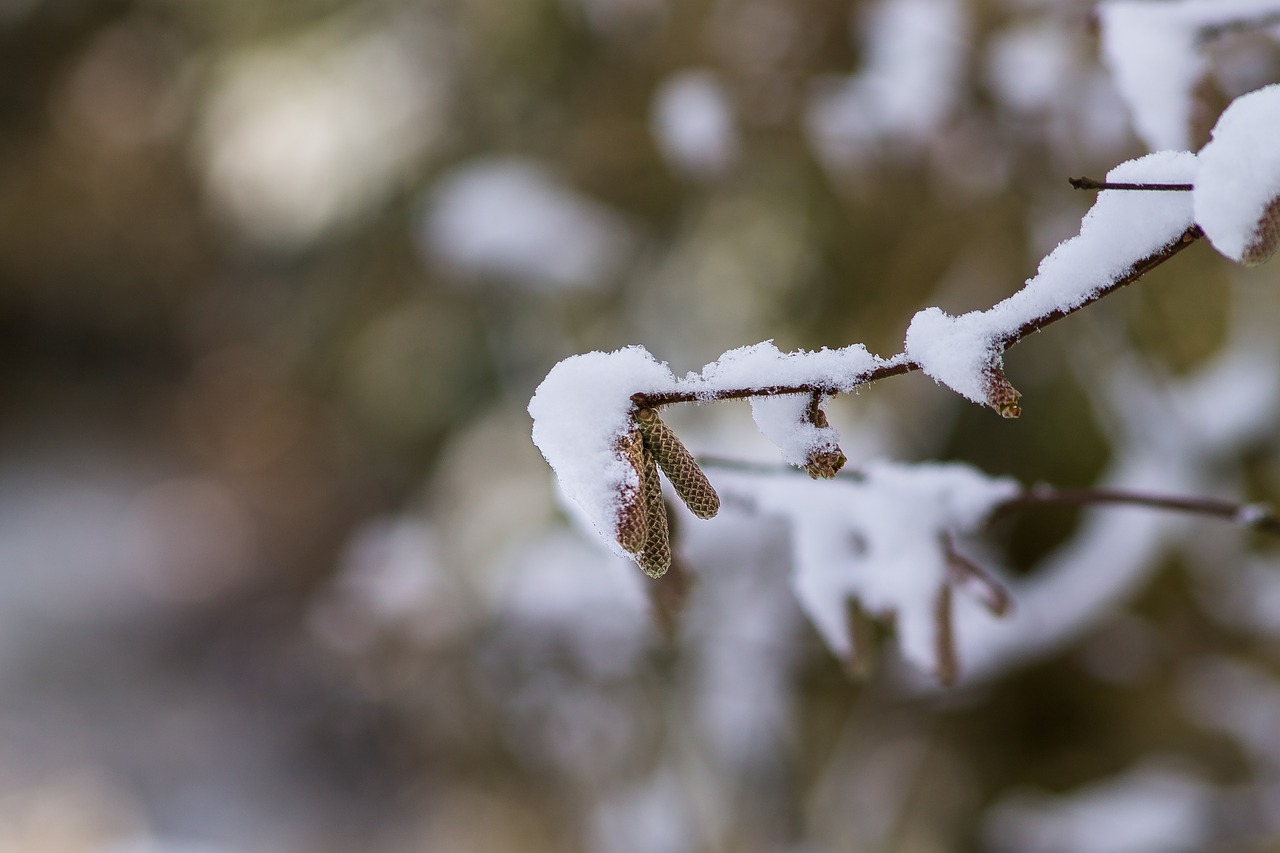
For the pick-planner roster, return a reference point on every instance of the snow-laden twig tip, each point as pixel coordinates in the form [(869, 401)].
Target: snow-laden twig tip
[(1237, 194)]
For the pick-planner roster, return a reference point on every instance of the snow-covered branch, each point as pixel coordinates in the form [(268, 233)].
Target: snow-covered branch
[(596, 416)]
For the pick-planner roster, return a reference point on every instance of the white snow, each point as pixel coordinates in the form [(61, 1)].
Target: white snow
[(784, 421), (1153, 58), (1152, 808), (579, 412), (1154, 51), (763, 365), (1028, 65), (878, 539), (583, 407), (513, 220), (1239, 173), (1170, 435), (693, 123), (915, 52), (1121, 228)]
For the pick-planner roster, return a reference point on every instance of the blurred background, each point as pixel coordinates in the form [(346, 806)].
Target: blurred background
[(281, 570)]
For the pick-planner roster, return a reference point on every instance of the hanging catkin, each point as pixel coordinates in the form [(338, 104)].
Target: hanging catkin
[(631, 526), (690, 483), (655, 557)]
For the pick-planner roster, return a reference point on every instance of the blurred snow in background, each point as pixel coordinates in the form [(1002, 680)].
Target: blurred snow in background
[(281, 571)]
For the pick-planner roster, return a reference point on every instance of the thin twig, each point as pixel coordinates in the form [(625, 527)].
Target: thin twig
[(965, 572), (1091, 184), (1257, 516), (900, 363)]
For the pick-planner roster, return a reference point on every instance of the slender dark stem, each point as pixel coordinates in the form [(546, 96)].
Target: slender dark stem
[(1137, 271), (1091, 184), (901, 364), (1257, 516)]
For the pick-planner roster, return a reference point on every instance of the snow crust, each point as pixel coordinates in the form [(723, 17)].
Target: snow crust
[(583, 407), (1239, 172), (1121, 228), (763, 365), (878, 539), (1154, 52)]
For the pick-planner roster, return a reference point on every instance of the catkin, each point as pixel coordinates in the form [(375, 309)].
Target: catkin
[(655, 557), (631, 526), (690, 483)]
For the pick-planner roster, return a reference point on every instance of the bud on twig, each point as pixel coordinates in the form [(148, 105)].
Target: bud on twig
[(1001, 396), (690, 483), (826, 461), (1266, 236)]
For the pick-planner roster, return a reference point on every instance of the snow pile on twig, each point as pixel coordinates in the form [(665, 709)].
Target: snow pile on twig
[(1122, 228), (579, 412), (1237, 193), (583, 408)]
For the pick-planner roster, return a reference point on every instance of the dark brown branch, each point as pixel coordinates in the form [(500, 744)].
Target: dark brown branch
[(1137, 271), (1091, 184), (900, 364), (1257, 516)]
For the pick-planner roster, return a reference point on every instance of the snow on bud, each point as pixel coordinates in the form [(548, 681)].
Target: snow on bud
[(824, 461), (1237, 186), (583, 423)]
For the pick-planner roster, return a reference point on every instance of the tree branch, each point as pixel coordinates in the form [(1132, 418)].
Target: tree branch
[(1258, 516), (1091, 184), (900, 363)]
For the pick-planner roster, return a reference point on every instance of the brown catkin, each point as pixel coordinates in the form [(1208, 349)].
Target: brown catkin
[(690, 483), (1266, 236), (631, 525), (655, 557)]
